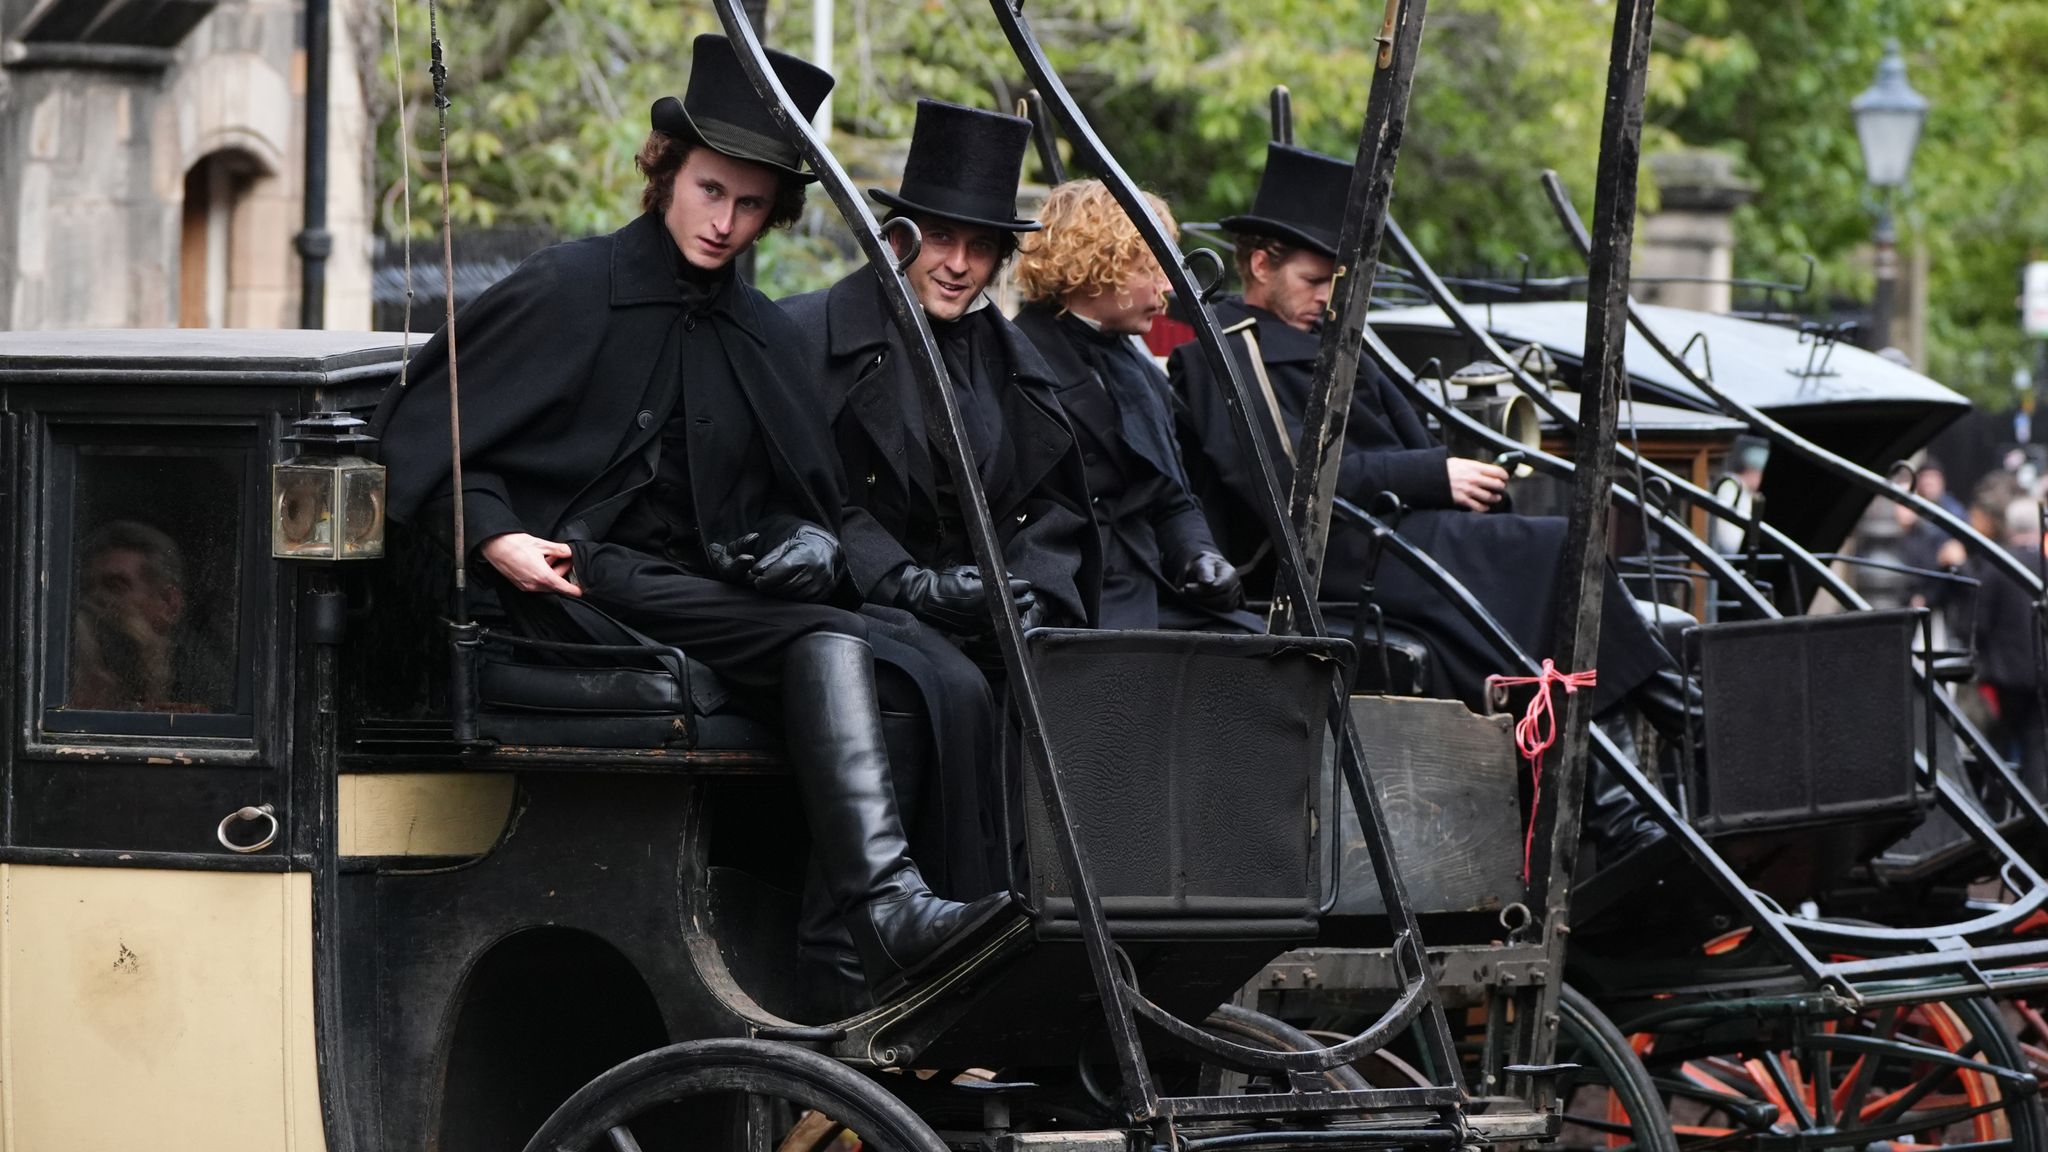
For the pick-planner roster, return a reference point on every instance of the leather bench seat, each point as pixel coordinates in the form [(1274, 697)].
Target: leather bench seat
[(645, 703)]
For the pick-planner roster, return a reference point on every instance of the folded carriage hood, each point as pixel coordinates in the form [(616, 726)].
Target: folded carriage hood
[(1852, 402)]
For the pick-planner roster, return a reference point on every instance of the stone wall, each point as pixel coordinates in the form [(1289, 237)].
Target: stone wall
[(94, 156)]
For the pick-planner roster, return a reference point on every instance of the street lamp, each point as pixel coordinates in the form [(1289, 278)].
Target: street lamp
[(1888, 119)]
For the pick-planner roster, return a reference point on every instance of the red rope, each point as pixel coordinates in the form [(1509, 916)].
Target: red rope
[(1536, 733)]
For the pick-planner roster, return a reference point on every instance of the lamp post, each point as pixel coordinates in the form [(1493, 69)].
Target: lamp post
[(1889, 115)]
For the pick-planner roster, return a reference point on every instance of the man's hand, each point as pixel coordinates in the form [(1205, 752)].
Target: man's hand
[(731, 562), (1211, 582), (1476, 485), (1952, 554), (951, 599), (532, 564), (803, 567)]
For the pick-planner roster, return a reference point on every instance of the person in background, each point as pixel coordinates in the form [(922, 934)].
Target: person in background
[(2008, 642)]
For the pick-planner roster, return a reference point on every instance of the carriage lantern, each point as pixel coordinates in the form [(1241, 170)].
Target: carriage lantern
[(1511, 415), (327, 502)]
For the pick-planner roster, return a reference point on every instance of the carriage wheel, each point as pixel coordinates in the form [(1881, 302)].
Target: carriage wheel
[(1748, 1096), (1258, 1030), (767, 1096), (1610, 1102)]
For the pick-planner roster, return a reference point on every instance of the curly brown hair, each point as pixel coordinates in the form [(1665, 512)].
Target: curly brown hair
[(661, 156), (1087, 245)]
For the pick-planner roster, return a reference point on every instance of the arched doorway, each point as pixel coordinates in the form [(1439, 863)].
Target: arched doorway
[(215, 188)]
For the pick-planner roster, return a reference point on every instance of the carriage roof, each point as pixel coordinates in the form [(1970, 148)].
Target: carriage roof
[(1763, 365), (188, 355)]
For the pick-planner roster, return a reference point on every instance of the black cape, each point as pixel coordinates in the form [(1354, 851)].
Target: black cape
[(1153, 528), (1037, 490), (1509, 562), (568, 368)]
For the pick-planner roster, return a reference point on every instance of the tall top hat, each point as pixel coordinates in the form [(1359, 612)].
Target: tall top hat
[(963, 165), (722, 109), (1300, 200)]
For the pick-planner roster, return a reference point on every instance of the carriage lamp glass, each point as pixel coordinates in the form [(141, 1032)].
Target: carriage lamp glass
[(1888, 119), (327, 502)]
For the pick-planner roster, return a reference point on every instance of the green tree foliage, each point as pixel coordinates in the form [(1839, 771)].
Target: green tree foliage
[(551, 99), (551, 96), (1771, 80)]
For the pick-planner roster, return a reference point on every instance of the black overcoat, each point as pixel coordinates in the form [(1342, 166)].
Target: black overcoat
[(857, 363), (1509, 562), (1157, 527), (568, 369)]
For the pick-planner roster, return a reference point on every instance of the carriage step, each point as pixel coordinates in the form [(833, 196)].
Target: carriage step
[(801, 1034), (1116, 1141)]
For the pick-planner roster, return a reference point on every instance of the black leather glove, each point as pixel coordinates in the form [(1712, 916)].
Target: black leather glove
[(803, 567), (730, 562), (1030, 609), (949, 599), (1211, 582)]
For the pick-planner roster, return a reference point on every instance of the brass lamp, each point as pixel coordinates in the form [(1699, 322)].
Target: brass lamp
[(327, 502), (1511, 414)]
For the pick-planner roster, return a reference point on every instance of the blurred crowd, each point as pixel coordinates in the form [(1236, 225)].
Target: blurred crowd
[(1905, 560)]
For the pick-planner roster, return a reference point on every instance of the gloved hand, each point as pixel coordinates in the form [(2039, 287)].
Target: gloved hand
[(949, 599), (803, 567), (1030, 609), (730, 562), (1211, 582)]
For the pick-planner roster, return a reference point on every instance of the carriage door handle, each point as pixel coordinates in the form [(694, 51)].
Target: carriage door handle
[(249, 815)]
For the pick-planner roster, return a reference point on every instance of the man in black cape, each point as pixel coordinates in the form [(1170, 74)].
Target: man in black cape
[(1093, 290), (638, 449), (906, 539), (1285, 249)]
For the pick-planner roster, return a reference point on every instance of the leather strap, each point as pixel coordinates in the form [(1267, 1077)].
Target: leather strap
[(1245, 329)]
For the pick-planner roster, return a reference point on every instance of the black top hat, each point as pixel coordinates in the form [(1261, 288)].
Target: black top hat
[(722, 109), (1300, 200), (963, 165)]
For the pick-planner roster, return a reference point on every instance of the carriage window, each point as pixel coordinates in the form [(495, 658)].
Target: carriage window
[(145, 618)]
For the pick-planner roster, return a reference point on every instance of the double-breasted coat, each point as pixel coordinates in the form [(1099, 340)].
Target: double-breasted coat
[(1151, 525), (1036, 489), (1509, 562)]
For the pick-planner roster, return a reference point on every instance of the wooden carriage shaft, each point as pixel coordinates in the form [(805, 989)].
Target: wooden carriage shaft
[(1237, 396), (1585, 551), (945, 424), (1321, 449)]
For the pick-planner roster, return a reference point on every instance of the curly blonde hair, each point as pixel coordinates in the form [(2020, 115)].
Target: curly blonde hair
[(1088, 245)]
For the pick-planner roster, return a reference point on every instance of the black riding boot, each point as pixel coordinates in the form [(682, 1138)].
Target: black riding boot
[(828, 965), (1671, 704), (1614, 819), (833, 724)]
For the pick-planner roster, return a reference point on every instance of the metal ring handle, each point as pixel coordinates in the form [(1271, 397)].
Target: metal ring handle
[(1205, 287), (900, 223), (258, 812)]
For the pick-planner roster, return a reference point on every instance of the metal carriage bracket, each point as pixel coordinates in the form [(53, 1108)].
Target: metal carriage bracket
[(1953, 800)]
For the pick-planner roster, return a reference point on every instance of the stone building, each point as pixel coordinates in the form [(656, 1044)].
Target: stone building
[(152, 164)]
